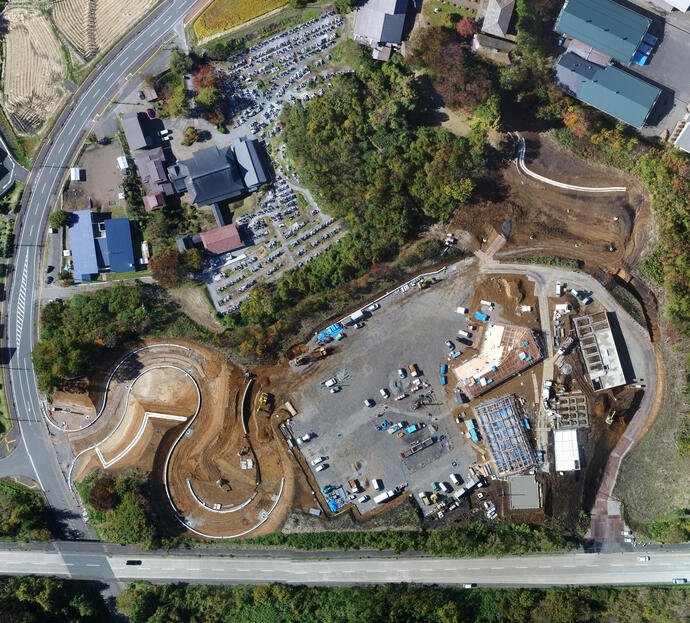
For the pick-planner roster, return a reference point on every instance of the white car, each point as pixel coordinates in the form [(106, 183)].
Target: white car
[(369, 403), (374, 307), (330, 382), (401, 373), (643, 558), (321, 467), (317, 460), (384, 392)]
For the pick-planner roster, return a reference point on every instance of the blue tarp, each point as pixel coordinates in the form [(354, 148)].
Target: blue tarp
[(473, 434), (333, 505), (334, 329), (481, 316)]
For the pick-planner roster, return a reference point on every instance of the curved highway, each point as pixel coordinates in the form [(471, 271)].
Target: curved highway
[(34, 451)]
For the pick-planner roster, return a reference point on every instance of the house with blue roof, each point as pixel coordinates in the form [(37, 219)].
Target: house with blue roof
[(604, 25), (99, 246)]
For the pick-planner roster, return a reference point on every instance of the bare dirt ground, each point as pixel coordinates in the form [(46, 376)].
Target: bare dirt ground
[(213, 451), (521, 207), (91, 25), (33, 70)]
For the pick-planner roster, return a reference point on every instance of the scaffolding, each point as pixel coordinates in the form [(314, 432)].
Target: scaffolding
[(501, 426)]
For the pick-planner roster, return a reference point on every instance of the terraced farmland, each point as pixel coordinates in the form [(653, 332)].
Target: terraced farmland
[(34, 69), (91, 25)]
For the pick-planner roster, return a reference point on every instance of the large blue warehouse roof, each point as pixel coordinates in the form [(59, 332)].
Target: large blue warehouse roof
[(83, 245), (620, 94), (604, 25), (119, 240)]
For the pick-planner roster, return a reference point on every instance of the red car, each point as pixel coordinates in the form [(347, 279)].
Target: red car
[(151, 113)]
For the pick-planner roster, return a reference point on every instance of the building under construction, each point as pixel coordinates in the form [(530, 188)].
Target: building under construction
[(505, 351), (599, 351), (500, 422)]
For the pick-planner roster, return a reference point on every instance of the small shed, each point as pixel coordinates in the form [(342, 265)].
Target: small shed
[(154, 201), (122, 163), (150, 94), (75, 174)]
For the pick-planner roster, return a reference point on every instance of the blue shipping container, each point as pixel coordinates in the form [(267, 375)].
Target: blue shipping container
[(473, 434), (444, 380), (527, 426), (444, 368)]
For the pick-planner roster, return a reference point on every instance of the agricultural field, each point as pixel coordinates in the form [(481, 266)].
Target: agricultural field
[(226, 14), (91, 25), (34, 70)]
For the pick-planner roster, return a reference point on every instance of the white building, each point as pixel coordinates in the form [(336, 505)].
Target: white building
[(566, 449)]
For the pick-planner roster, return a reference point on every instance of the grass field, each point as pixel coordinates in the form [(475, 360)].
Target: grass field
[(446, 8), (225, 14), (654, 480)]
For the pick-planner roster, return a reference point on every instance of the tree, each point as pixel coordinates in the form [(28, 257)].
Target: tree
[(467, 27), (180, 63), (193, 260), (59, 219), (177, 104), (191, 135), (346, 6), (205, 76), (207, 97), (103, 496), (168, 268)]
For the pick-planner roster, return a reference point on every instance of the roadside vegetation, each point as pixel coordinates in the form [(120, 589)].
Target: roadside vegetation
[(22, 513), (119, 508), (474, 539), (549, 261), (75, 331), (148, 603), (26, 599)]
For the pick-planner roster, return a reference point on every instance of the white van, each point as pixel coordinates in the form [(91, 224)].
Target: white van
[(462, 333), (322, 467), (330, 382), (378, 484), (444, 487), (455, 479), (364, 498), (317, 460)]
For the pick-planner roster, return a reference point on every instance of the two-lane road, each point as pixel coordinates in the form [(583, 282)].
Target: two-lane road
[(523, 571), (22, 298)]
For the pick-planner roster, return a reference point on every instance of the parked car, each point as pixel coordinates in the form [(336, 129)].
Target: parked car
[(450, 345), (335, 390), (49, 280), (330, 382), (364, 498), (358, 325), (401, 373), (321, 467), (140, 95), (369, 403), (317, 460), (374, 307), (384, 392), (643, 558), (151, 113)]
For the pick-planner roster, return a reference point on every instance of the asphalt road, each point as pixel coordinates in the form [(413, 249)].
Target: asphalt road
[(523, 571), (35, 447)]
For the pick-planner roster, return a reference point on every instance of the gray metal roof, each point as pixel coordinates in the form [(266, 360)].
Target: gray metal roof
[(212, 176), (119, 242), (136, 138), (381, 21), (497, 17), (605, 25), (249, 161), (621, 95), (572, 71)]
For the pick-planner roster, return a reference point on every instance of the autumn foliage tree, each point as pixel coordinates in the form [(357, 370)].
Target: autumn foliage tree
[(467, 27), (205, 76), (168, 268), (102, 495)]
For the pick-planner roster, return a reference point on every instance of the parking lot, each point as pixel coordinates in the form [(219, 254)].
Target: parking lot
[(667, 66), (410, 327)]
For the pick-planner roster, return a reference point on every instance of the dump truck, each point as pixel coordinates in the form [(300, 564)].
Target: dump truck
[(320, 352)]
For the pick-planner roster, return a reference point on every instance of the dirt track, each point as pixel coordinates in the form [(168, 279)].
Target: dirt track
[(213, 450), (539, 219)]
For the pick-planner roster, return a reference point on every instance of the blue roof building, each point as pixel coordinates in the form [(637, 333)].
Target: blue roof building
[(118, 236), (604, 25), (83, 246), (99, 246), (613, 91)]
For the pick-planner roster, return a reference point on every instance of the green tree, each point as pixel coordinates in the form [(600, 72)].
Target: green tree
[(177, 105), (59, 219), (180, 63), (207, 97)]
